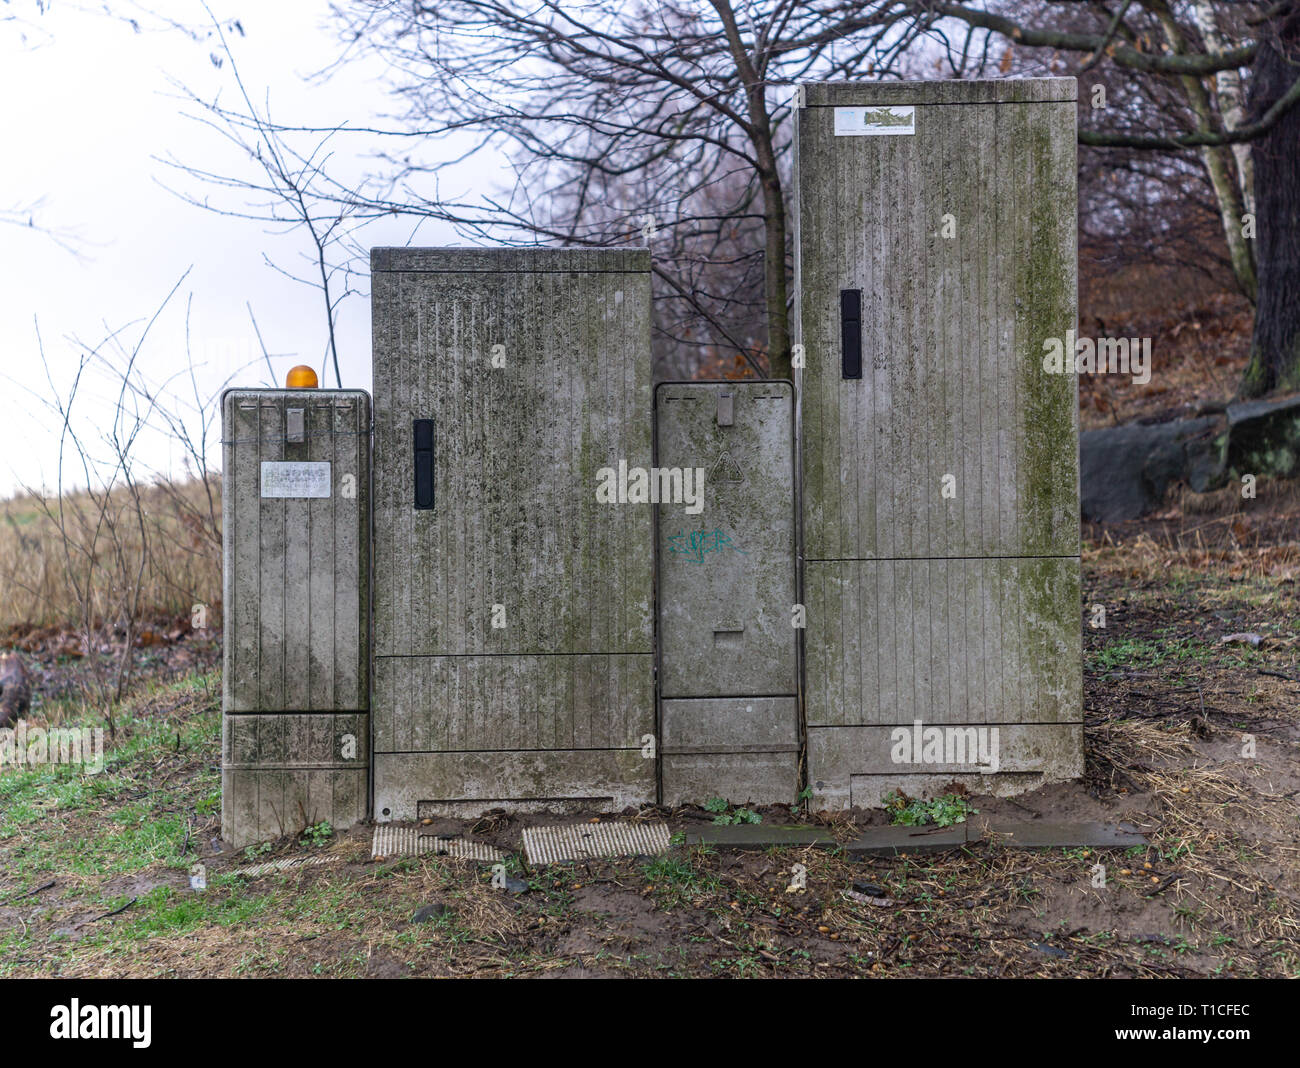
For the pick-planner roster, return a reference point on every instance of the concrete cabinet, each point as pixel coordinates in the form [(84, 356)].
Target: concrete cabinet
[(728, 669), (935, 255), (590, 596), (513, 626), (296, 656)]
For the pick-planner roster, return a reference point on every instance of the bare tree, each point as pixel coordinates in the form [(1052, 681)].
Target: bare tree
[(663, 123), (129, 532)]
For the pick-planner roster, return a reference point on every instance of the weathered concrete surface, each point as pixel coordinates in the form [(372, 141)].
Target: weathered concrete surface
[(946, 641), (726, 592), (464, 783), (283, 772), (1125, 471), (760, 836), (534, 365), (889, 841), (295, 679), (958, 607), (727, 573)]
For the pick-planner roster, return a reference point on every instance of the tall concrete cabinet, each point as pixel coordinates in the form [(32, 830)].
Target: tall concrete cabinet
[(513, 619), (935, 259)]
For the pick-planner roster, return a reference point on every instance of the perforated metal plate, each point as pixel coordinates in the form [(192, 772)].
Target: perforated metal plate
[(270, 867), (390, 841), (551, 845)]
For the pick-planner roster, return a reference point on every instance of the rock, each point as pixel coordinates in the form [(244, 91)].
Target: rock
[(15, 689), (1125, 471), (1264, 437)]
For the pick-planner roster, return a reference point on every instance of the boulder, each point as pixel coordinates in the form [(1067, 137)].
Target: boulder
[(1125, 471), (1264, 437)]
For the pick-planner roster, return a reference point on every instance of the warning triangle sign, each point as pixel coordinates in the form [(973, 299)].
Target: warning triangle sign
[(725, 469)]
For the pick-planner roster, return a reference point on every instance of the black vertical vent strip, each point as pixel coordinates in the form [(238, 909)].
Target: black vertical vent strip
[(424, 464), (850, 333)]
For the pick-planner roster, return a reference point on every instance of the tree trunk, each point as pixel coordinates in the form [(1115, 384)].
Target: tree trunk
[(1275, 347), (1218, 163), (778, 312), (760, 137), (1231, 96)]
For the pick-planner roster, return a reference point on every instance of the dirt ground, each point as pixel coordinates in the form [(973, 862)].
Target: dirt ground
[(1190, 739)]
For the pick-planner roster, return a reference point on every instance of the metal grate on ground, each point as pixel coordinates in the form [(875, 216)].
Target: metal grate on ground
[(551, 845), (390, 841), (284, 864)]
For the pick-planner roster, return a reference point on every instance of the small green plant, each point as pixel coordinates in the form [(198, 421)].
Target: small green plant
[(254, 851), (723, 818), (942, 811), (676, 879), (318, 834)]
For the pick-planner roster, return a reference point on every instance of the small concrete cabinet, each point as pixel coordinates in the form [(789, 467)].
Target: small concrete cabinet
[(728, 671)]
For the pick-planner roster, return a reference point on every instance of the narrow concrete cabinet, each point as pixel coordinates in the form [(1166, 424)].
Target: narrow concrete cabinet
[(935, 258), (728, 671), (295, 737)]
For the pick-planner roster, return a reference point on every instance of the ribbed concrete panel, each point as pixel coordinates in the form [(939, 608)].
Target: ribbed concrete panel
[(553, 845), (952, 332), (394, 841), (296, 650)]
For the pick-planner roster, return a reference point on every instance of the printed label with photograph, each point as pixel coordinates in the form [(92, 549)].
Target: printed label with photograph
[(874, 121)]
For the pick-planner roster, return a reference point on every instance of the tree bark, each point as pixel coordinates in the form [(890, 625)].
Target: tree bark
[(1231, 95), (1275, 347)]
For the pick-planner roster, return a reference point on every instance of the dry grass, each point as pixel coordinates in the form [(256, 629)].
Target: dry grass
[(179, 544)]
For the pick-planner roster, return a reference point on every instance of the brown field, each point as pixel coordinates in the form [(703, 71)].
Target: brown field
[(177, 537)]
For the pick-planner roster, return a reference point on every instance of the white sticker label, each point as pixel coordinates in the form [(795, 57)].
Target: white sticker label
[(874, 122), (309, 479)]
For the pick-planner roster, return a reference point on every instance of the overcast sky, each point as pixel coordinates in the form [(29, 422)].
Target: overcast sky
[(88, 107)]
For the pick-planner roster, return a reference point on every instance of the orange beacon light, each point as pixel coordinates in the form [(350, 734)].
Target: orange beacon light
[(300, 377)]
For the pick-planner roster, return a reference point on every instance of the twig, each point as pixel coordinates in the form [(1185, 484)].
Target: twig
[(108, 914), (32, 893)]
